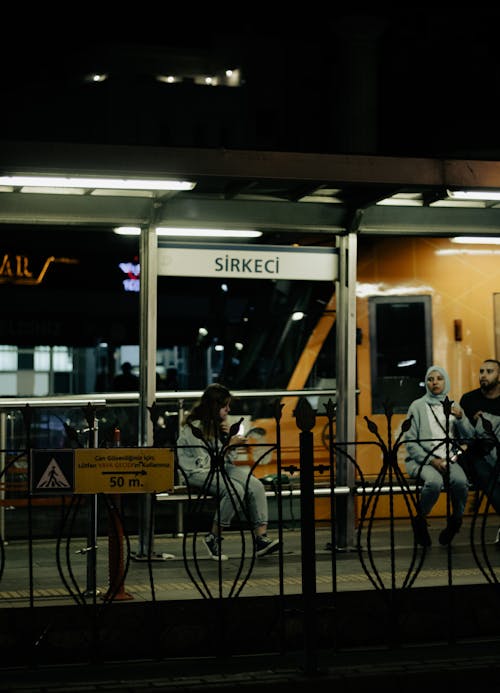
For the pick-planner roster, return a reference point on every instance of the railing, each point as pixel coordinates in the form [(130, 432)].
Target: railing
[(312, 597)]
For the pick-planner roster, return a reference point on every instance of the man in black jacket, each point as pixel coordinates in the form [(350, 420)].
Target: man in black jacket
[(482, 456)]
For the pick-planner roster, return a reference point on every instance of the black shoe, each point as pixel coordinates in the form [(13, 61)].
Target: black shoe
[(263, 545), (213, 545), (420, 531), (452, 527)]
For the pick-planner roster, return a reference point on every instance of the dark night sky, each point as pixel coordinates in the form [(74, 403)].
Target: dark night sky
[(437, 72)]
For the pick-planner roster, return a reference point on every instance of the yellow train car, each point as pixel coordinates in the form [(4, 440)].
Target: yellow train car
[(419, 301)]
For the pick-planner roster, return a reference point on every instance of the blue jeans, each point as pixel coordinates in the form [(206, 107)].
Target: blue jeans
[(434, 484), (237, 490), (484, 475)]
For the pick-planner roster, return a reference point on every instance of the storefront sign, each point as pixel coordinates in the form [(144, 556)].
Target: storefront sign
[(15, 269)]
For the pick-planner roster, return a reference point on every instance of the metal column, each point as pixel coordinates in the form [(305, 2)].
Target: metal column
[(147, 385), (346, 383)]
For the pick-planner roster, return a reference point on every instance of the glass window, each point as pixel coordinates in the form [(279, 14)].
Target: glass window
[(41, 385), (62, 358), (8, 384), (8, 357), (25, 360), (42, 358), (401, 349)]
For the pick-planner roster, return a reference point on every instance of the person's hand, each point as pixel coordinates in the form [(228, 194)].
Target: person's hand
[(439, 464), (456, 411), (477, 415), (237, 440)]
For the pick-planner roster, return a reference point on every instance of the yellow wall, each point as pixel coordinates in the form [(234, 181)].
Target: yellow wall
[(462, 288)]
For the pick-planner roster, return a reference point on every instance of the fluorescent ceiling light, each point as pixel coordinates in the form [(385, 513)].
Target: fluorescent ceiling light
[(403, 200), (483, 240), (105, 183), (208, 233), (467, 251), (52, 191), (474, 194), (128, 230), (194, 233), (399, 202)]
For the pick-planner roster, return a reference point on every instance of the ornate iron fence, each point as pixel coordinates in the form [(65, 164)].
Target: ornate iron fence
[(381, 591)]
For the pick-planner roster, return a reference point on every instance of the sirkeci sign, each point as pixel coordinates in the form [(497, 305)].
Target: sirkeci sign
[(247, 262)]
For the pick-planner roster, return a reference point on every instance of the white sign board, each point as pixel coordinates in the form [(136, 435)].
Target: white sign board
[(247, 261)]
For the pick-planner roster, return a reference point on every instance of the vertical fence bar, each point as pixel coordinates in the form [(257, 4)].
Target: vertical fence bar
[(93, 439), (305, 418), (3, 480)]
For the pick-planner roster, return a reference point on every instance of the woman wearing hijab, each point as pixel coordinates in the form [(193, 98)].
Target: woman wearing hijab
[(430, 456)]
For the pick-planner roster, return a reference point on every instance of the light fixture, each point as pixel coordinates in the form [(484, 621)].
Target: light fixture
[(478, 240), (191, 233), (474, 194), (167, 79), (297, 315), (101, 183), (402, 200), (128, 230), (207, 233)]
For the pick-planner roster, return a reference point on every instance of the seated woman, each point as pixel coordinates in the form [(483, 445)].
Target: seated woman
[(235, 486), (428, 457)]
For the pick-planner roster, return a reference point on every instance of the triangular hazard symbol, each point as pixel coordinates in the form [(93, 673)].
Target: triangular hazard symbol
[(53, 477)]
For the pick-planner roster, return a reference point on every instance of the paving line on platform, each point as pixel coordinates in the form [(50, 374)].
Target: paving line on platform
[(253, 583)]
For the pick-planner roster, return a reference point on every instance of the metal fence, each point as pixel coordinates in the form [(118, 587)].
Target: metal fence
[(107, 576)]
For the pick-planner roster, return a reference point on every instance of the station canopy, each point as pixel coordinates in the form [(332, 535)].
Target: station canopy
[(290, 197)]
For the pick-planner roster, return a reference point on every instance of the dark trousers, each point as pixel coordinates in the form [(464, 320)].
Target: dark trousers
[(485, 477)]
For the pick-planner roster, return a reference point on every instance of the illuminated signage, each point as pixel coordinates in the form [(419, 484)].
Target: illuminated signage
[(133, 272), (15, 269)]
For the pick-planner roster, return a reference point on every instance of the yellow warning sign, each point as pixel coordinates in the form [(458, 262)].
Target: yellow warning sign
[(124, 470)]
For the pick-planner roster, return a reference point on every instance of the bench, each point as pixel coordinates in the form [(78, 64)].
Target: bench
[(180, 494)]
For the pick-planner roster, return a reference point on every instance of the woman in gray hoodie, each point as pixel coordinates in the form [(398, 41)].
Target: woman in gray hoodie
[(433, 443), (207, 449)]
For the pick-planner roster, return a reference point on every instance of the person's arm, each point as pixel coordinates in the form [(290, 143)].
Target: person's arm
[(465, 405), (231, 443), (232, 447), (494, 420), (412, 438), (192, 454), (464, 430)]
